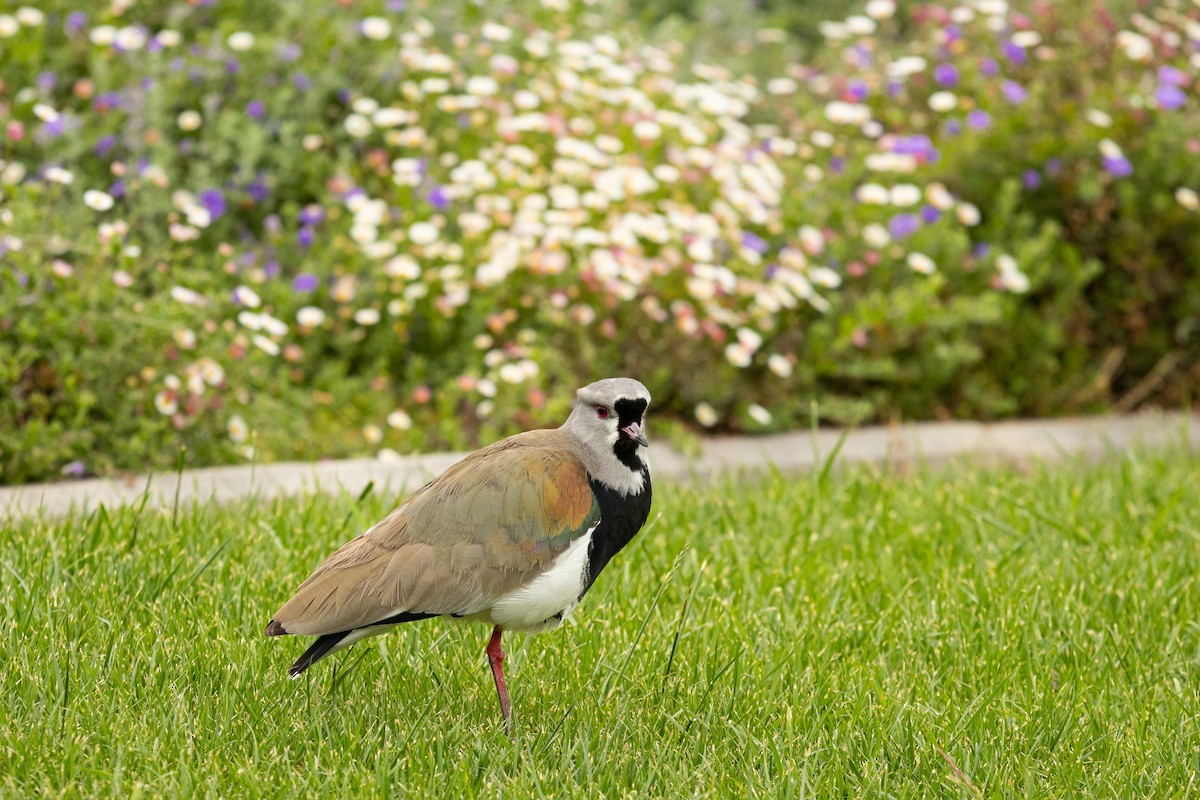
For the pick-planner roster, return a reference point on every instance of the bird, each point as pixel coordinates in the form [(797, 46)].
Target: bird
[(513, 535)]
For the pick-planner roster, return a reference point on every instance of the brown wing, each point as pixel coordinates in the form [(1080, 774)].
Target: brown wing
[(484, 527)]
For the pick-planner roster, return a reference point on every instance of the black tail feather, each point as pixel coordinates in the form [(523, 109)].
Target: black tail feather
[(318, 650), (321, 647)]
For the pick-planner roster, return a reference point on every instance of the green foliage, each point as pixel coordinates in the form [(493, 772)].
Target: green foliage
[(253, 237)]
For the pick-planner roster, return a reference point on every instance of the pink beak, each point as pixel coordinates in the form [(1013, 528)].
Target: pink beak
[(634, 431)]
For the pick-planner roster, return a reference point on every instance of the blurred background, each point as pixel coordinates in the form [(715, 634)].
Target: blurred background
[(327, 229)]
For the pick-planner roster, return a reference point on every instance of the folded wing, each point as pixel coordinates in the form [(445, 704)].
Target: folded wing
[(485, 527)]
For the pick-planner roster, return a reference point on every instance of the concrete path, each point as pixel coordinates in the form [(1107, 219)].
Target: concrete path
[(901, 447)]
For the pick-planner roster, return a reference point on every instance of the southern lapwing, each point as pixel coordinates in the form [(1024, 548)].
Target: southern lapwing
[(513, 535)]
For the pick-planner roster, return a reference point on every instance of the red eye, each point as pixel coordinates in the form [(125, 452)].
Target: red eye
[(601, 412)]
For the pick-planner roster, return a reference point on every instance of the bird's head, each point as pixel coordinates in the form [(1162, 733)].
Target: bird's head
[(608, 417)]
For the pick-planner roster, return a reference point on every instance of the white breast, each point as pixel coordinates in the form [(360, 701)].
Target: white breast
[(537, 606)]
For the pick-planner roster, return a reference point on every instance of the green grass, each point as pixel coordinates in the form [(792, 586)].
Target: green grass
[(938, 634)]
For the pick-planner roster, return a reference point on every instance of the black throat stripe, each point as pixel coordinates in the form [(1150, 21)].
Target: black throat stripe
[(621, 517)]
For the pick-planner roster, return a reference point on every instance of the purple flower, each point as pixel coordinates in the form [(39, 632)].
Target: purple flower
[(857, 90), (1031, 179), (104, 144), (894, 88), (271, 268), (233, 66), (257, 189), (979, 119), (1169, 76), (272, 224), (904, 225), (106, 101), (918, 145), (930, 214), (837, 164), (312, 214), (74, 469), (214, 201), (989, 67), (982, 249), (305, 236), (46, 82), (1013, 52), (255, 109), (301, 81), (438, 198), (117, 190), (1170, 97), (55, 128), (289, 53), (1117, 166), (952, 127), (76, 21), (1053, 166), (305, 282), (752, 241), (946, 74), (1014, 92)]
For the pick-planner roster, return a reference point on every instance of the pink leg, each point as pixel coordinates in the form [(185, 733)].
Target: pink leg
[(496, 659)]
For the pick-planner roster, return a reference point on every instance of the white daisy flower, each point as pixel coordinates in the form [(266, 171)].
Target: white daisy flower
[(30, 17), (423, 233), (239, 431), (780, 365), (189, 120), (97, 200), (759, 414), (919, 262), (310, 316), (376, 28), (240, 41), (400, 420), (366, 317), (1188, 198)]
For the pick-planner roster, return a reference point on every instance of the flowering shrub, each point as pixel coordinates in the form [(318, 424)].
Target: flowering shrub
[(1066, 121), (422, 226)]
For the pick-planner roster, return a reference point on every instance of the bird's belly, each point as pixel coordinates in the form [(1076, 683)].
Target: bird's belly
[(543, 603)]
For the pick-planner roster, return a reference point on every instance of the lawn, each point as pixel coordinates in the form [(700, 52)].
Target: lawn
[(940, 633)]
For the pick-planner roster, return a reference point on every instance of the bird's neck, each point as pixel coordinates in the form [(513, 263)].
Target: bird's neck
[(621, 517)]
